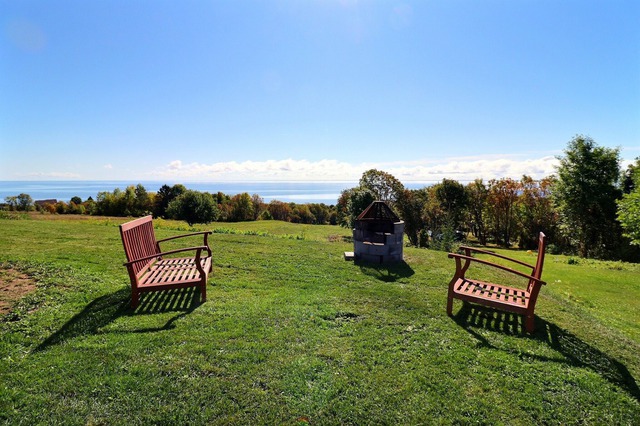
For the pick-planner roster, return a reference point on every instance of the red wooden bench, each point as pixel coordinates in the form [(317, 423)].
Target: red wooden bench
[(498, 296), (149, 269)]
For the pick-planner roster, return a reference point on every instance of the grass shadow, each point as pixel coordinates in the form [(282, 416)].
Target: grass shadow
[(106, 309), (386, 272), (575, 351)]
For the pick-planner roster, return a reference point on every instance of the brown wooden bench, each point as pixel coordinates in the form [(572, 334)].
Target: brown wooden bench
[(149, 269), (498, 296)]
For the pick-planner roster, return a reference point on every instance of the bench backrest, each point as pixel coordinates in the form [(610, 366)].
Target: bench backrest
[(542, 243), (138, 240)]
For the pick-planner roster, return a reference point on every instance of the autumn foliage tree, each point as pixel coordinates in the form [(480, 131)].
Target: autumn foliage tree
[(279, 210), (477, 196), (535, 211), (242, 208), (501, 199)]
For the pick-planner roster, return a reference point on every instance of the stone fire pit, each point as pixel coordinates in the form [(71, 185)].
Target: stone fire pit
[(378, 235)]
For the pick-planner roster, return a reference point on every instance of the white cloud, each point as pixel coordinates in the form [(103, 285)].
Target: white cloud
[(108, 166), (462, 169), (175, 165), (466, 170)]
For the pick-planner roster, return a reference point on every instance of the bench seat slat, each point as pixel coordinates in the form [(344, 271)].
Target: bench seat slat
[(478, 291), (174, 270)]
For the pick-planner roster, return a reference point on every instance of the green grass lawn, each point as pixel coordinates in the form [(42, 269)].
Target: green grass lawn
[(293, 334)]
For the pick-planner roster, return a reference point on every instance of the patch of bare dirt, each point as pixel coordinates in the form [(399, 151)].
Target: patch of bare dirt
[(13, 286)]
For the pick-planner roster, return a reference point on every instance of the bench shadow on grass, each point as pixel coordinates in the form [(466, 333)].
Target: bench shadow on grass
[(386, 272), (106, 309), (575, 351)]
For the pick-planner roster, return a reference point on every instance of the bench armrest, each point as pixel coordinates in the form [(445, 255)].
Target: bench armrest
[(205, 233), (153, 256), (205, 243), (468, 251), (468, 259)]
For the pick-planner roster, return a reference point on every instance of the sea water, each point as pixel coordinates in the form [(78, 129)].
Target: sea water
[(297, 192)]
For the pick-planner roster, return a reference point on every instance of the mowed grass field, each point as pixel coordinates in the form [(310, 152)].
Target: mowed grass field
[(294, 334)]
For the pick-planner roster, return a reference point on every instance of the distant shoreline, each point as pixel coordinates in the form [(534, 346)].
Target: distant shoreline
[(300, 192)]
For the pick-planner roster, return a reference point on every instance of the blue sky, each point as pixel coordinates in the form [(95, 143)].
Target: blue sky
[(312, 90)]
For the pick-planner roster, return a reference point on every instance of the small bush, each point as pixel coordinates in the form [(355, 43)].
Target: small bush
[(554, 249)]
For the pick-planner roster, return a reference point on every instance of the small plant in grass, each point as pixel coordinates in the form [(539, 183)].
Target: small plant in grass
[(444, 240), (554, 249)]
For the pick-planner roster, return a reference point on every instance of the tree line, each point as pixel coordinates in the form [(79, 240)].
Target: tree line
[(590, 207), (178, 202), (501, 211)]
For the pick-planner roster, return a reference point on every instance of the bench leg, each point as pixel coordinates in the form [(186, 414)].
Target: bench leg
[(135, 299), (450, 304), (529, 323), (203, 292)]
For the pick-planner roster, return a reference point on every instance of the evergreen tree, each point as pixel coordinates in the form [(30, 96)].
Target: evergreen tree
[(585, 196), (193, 207), (629, 205)]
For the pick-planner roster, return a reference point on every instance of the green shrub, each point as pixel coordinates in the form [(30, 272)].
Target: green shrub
[(193, 207)]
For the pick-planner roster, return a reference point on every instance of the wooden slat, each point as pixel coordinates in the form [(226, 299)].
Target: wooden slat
[(174, 270), (139, 241), (463, 287), (474, 289), (171, 273), (485, 291), (495, 294)]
